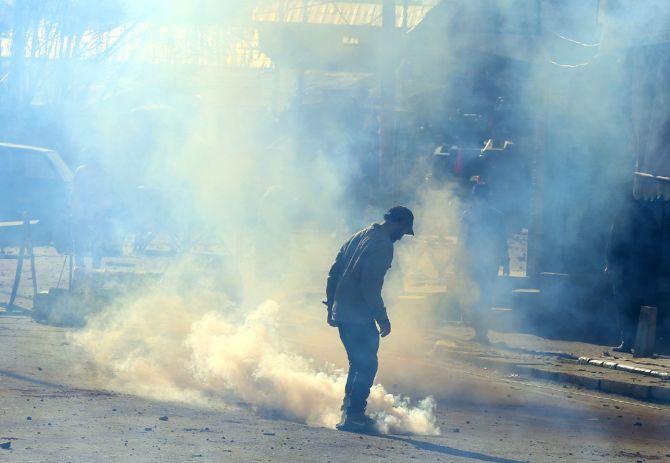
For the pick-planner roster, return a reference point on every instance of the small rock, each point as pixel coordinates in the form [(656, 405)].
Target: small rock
[(637, 423), (268, 434), (456, 430), (6, 445), (29, 418), (163, 418), (148, 429)]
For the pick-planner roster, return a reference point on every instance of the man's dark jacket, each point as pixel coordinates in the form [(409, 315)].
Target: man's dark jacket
[(355, 280)]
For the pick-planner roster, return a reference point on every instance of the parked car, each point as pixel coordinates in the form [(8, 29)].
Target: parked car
[(35, 183)]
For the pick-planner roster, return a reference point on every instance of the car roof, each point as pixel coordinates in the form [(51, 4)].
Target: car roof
[(25, 148), (56, 160)]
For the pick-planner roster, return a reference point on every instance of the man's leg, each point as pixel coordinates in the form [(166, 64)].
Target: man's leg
[(347, 338), (482, 309), (628, 312), (361, 343)]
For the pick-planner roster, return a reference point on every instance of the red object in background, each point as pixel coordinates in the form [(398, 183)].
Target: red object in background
[(458, 166)]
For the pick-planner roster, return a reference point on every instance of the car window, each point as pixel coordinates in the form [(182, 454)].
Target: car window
[(10, 165)]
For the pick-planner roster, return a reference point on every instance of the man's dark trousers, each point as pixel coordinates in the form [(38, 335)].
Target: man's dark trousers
[(361, 342)]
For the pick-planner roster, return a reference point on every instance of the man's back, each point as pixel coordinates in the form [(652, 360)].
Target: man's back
[(356, 278)]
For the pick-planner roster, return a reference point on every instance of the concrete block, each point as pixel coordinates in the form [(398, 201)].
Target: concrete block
[(660, 393), (41, 305), (638, 391), (587, 382)]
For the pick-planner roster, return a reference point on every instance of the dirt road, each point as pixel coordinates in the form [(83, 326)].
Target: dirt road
[(54, 409)]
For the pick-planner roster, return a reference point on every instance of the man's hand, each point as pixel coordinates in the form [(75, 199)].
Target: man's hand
[(330, 320), (384, 327)]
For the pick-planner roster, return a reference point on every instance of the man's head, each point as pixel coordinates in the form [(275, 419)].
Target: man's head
[(399, 221)]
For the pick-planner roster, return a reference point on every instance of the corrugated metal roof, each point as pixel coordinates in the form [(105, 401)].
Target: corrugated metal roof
[(338, 13)]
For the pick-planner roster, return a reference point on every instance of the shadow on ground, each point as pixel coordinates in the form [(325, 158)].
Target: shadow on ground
[(443, 449)]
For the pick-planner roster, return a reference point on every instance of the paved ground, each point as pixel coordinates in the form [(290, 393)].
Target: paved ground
[(557, 360), (53, 408)]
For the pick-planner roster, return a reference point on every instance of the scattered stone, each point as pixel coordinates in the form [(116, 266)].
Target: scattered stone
[(6, 445), (163, 418), (148, 429), (268, 434), (637, 423), (456, 430)]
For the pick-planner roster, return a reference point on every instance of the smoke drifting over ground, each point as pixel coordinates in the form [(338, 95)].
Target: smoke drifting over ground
[(193, 345), (279, 207)]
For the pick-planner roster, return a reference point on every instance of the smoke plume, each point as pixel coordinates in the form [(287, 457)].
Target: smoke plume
[(186, 343)]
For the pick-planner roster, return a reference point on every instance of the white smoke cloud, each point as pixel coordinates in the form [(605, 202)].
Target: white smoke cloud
[(194, 346), (276, 205)]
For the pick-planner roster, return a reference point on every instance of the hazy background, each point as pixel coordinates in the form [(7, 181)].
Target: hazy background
[(267, 142)]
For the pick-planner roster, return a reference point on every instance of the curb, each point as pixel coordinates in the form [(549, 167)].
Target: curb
[(624, 367), (542, 371)]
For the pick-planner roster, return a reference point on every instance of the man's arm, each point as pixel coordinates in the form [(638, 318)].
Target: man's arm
[(373, 270), (333, 279)]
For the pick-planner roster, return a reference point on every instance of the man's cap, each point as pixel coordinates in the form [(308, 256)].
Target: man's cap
[(401, 214)]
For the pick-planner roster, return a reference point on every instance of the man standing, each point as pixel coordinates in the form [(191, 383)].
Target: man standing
[(355, 303), (633, 263), (484, 242)]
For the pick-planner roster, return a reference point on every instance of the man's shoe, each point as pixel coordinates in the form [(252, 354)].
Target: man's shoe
[(358, 423)]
